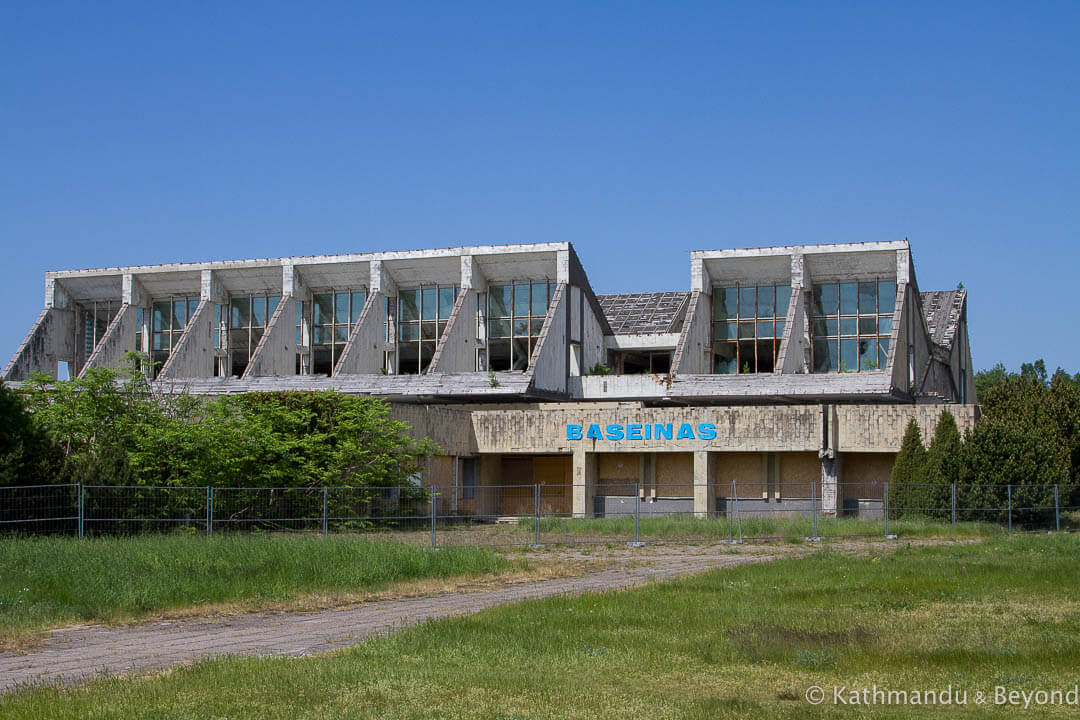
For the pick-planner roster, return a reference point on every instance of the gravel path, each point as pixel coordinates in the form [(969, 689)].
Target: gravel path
[(78, 653)]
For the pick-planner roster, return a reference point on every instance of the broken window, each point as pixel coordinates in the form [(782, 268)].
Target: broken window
[(516, 314), (852, 325), (748, 325), (422, 316)]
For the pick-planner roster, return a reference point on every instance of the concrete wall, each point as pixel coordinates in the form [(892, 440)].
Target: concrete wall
[(51, 340), (674, 474), (880, 428), (363, 352), (744, 468), (193, 356), (695, 338), (457, 346), (549, 364), (118, 340), (865, 474), (276, 352), (592, 343), (449, 427), (798, 473)]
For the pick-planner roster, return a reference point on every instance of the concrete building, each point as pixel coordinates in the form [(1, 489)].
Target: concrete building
[(791, 371)]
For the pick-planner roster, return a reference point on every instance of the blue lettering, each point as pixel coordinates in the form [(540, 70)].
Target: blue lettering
[(614, 433), (633, 432), (663, 432), (685, 432), (573, 432), (648, 431), (706, 431), (594, 433)]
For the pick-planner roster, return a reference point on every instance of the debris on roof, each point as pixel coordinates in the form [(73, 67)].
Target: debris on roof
[(644, 313)]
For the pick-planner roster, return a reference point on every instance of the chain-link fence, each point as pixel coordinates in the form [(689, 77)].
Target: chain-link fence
[(539, 514)]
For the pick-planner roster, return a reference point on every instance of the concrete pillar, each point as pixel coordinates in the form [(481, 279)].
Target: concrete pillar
[(704, 486), (584, 482)]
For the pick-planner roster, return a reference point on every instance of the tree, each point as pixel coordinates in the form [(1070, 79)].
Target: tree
[(27, 455), (907, 494)]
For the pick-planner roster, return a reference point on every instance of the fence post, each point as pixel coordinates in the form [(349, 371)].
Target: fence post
[(1057, 510), (209, 511), (729, 511), (1010, 508), (536, 515), (954, 505), (81, 506), (738, 513), (636, 542), (325, 520), (886, 508), (813, 512), (434, 538)]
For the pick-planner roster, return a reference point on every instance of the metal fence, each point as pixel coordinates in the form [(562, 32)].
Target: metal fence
[(539, 514)]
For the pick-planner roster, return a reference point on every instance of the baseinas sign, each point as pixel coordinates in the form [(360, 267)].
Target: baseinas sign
[(637, 431)]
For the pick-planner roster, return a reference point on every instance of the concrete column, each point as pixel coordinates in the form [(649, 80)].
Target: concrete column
[(830, 484), (704, 485), (584, 482)]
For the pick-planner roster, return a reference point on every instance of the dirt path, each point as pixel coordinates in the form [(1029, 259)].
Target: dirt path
[(78, 653)]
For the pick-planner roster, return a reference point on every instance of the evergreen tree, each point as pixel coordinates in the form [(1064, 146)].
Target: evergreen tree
[(907, 494)]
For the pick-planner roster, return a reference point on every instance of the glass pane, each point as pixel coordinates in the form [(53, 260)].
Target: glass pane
[(825, 299), (358, 300), (868, 298), (161, 341), (884, 326), (322, 336), (521, 354), (764, 329), (868, 326), (429, 304), (521, 300), (238, 339), (499, 355), (886, 297), (409, 359), (341, 308), (341, 334), (868, 354), (848, 326), (535, 326), (499, 301), (499, 328), (240, 310), (883, 352), (323, 309), (780, 324), (272, 302), (299, 336), (783, 299), (765, 306), (427, 331), (446, 302), (161, 316), (719, 310), (746, 302), (179, 318), (849, 301), (539, 299), (724, 331), (746, 329), (724, 359), (822, 358), (258, 312), (819, 327), (256, 336), (409, 302), (193, 305), (849, 355), (521, 327), (410, 332), (299, 312), (442, 328)]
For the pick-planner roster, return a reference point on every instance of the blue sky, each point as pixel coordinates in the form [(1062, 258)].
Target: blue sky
[(138, 133)]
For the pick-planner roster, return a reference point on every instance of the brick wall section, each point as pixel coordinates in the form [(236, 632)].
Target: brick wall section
[(880, 428)]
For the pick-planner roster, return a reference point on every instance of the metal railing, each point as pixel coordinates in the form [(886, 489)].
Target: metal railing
[(539, 514)]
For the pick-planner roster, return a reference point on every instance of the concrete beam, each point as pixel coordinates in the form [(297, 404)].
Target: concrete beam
[(381, 281), (471, 275), (133, 293), (704, 485), (456, 351), (55, 294), (50, 341), (550, 361), (291, 282), (584, 479), (276, 352), (211, 289)]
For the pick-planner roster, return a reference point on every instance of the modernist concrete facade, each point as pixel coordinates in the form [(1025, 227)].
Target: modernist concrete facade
[(790, 370)]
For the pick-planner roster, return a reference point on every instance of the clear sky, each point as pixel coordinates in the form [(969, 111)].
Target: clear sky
[(135, 132)]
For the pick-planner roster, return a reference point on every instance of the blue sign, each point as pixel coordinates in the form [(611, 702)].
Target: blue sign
[(642, 431)]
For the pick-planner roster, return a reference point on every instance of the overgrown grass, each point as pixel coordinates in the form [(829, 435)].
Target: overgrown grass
[(737, 643), (675, 526), (50, 581)]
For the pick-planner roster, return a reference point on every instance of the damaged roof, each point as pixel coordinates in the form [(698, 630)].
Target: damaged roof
[(644, 313), (942, 309)]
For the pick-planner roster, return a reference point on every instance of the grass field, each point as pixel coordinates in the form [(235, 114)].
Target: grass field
[(743, 642), (51, 581)]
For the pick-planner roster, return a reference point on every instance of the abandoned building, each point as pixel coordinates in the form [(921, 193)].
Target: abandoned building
[(791, 371)]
